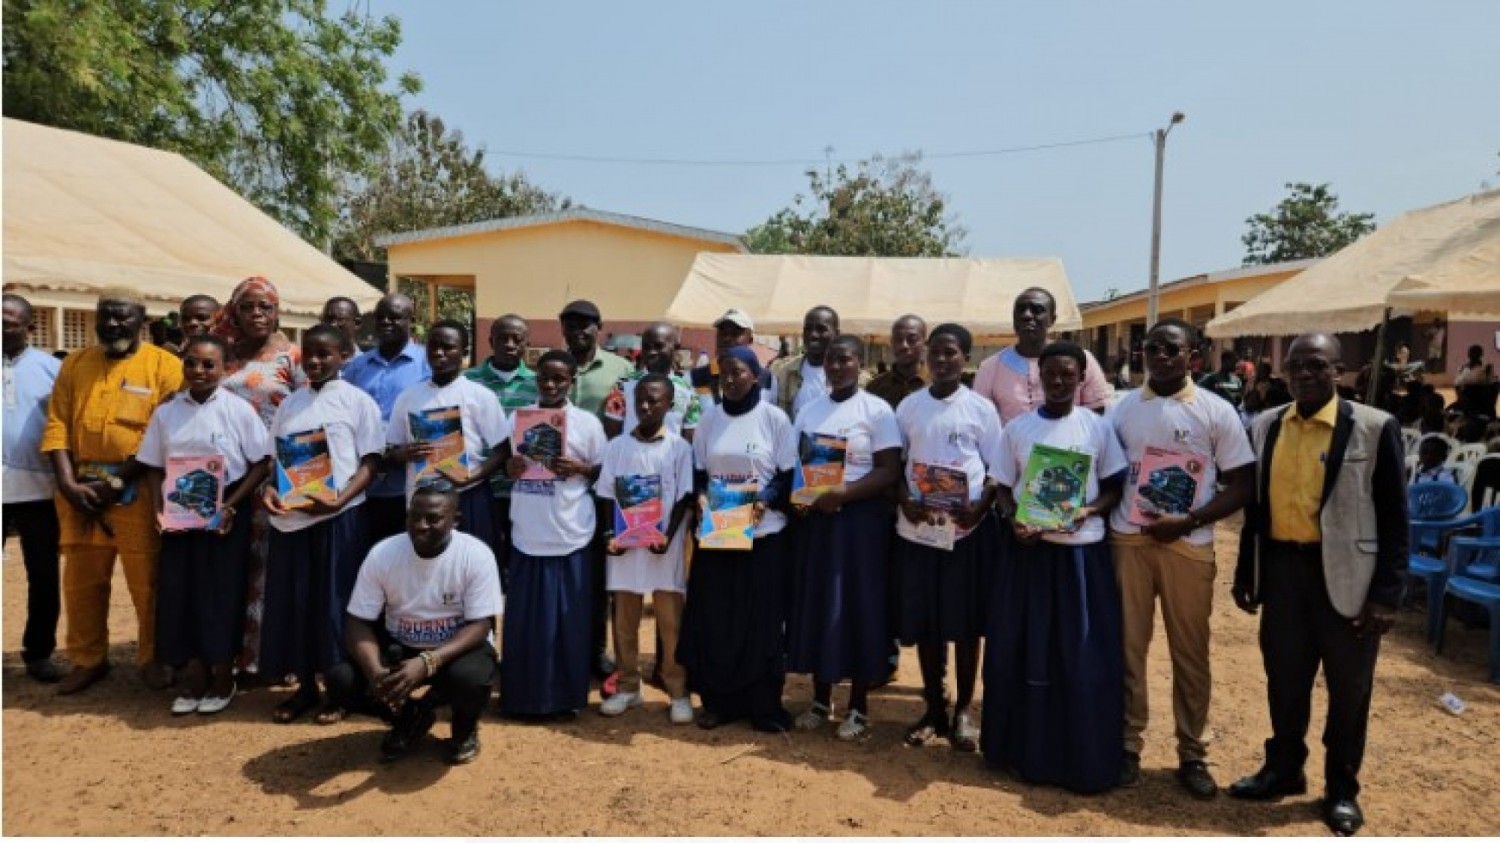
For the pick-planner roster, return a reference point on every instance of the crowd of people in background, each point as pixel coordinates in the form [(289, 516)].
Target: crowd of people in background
[(399, 580)]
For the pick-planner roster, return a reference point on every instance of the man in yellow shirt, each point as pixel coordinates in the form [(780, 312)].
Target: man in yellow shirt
[(103, 399)]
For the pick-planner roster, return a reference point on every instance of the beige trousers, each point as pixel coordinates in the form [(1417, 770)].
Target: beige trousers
[(668, 606)]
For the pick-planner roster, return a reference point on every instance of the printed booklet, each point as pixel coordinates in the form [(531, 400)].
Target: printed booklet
[(820, 466), (192, 493), (1165, 482), (729, 523), (1053, 487), (304, 469), (640, 513), (443, 428), (942, 488), (540, 436)]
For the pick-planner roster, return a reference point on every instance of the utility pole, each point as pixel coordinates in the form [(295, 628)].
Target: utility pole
[(1159, 137)]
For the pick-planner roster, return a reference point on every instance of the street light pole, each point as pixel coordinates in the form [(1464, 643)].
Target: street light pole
[(1160, 139)]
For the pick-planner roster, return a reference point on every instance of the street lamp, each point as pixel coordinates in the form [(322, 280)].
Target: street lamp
[(1159, 137)]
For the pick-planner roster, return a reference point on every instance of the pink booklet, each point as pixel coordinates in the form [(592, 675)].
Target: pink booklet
[(1165, 482), (192, 493)]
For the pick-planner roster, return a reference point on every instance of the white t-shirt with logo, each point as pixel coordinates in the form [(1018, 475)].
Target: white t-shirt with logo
[(351, 420), (757, 444), (482, 419), (225, 425), (814, 386), (961, 431), (562, 522), (1083, 431), (867, 423), (427, 601), (1194, 421), (670, 457)]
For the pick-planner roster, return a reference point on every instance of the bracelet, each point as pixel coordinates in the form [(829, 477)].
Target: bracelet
[(428, 661)]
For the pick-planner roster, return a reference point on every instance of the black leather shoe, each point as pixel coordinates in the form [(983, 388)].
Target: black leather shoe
[(1343, 816), (1195, 779), (1267, 785), (1130, 770)]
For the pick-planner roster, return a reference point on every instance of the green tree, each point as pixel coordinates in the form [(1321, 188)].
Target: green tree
[(886, 207), (1306, 224), (277, 98)]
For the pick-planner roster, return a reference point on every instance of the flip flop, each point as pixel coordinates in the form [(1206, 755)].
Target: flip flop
[(293, 709), (330, 714)]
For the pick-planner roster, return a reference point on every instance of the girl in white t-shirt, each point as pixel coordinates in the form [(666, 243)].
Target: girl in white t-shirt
[(546, 630), (947, 543), (317, 546), (1054, 670), (431, 408), (201, 576), (839, 625)]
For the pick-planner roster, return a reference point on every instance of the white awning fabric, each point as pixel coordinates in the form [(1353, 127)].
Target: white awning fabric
[(1350, 290), (1467, 285), (869, 293), (83, 213)]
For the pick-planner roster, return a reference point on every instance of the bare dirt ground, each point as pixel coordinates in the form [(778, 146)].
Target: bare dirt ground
[(114, 761)]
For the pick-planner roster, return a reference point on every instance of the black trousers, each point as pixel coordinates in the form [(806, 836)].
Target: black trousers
[(1299, 631), (599, 620), (463, 683), (36, 523), (384, 517)]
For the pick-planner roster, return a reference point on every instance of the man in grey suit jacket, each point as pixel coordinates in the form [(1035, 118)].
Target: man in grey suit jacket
[(1323, 549)]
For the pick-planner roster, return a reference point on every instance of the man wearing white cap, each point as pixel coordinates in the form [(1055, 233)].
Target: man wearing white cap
[(734, 328)]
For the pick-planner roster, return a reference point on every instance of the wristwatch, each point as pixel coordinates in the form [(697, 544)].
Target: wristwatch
[(114, 483)]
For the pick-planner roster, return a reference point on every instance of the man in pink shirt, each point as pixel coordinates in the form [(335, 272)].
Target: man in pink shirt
[(1011, 378)]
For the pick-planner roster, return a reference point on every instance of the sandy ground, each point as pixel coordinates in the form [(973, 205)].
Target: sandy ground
[(114, 761)]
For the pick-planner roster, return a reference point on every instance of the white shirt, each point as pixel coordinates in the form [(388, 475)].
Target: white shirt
[(961, 432), (1083, 431), (757, 444), (865, 422), (427, 601), (1194, 421), (814, 386), (351, 420), (482, 418), (27, 474), (670, 458), (225, 425), (562, 522)]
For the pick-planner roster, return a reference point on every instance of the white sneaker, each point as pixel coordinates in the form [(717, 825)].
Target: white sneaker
[(214, 705), (854, 727), (620, 703), (814, 717), (184, 705), (681, 712)]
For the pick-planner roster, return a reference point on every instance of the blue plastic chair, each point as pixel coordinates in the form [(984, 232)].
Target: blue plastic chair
[(1475, 578), (1424, 562), (1432, 502)]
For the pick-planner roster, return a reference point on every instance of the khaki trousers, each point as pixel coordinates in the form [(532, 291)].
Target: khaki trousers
[(1182, 576), (668, 606), (89, 566)]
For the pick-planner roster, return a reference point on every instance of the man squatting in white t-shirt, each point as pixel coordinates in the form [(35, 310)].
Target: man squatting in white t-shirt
[(440, 593)]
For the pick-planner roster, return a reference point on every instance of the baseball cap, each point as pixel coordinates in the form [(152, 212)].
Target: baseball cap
[(581, 307), (735, 316)]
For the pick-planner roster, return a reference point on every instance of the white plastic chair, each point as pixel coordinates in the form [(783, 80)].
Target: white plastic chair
[(1470, 453), (1410, 436), (1411, 467)]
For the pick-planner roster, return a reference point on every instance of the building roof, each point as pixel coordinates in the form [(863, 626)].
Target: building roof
[(1205, 278), (579, 214), (83, 213)]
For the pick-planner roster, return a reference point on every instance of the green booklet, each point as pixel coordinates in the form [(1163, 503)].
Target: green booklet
[(1053, 487)]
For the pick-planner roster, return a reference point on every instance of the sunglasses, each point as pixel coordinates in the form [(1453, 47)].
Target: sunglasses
[(1316, 365), (440, 485), (1165, 349)]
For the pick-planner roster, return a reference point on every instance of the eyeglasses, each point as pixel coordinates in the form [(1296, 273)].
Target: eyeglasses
[(1314, 365), (1166, 349), (440, 485)]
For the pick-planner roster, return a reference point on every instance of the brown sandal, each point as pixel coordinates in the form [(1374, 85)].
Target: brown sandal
[(330, 714), (293, 709)]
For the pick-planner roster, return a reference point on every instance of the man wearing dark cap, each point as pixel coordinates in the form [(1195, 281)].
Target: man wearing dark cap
[(733, 328), (597, 373)]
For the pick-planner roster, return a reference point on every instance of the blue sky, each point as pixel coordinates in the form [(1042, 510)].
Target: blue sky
[(1394, 103)]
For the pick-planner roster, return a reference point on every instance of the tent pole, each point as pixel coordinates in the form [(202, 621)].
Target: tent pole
[(1379, 362)]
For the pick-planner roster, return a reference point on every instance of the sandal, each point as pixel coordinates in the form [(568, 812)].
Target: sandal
[(293, 709), (934, 724), (330, 713), (965, 737)]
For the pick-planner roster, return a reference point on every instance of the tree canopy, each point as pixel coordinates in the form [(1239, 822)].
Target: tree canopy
[(277, 98), (1306, 224), (885, 207)]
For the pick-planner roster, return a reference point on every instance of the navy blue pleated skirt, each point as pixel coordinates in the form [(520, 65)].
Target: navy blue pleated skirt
[(476, 516), (938, 596), (201, 583), (546, 636), (310, 576), (839, 627), (1054, 667)]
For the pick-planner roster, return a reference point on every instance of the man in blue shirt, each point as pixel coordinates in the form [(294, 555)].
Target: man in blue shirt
[(29, 485), (394, 364)]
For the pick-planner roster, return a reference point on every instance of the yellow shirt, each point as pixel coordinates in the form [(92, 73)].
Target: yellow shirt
[(1297, 467), (100, 405)]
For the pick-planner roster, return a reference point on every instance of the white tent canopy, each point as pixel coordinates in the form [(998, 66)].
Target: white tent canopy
[(1466, 285), (869, 293), (83, 213), (1350, 290)]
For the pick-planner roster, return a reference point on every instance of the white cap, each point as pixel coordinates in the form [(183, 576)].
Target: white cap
[(737, 317)]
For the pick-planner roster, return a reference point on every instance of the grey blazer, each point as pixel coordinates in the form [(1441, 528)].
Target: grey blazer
[(1363, 516)]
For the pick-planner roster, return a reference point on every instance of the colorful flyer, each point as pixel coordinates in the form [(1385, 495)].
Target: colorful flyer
[(640, 514), (1164, 482), (942, 488), (541, 433), (1053, 487), (443, 428), (729, 523), (192, 493), (304, 469), (820, 466)]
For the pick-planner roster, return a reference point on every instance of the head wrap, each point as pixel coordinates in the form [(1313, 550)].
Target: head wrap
[(224, 321), (746, 404), (743, 354)]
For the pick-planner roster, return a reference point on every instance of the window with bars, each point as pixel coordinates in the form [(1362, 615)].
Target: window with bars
[(78, 329), (43, 330)]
